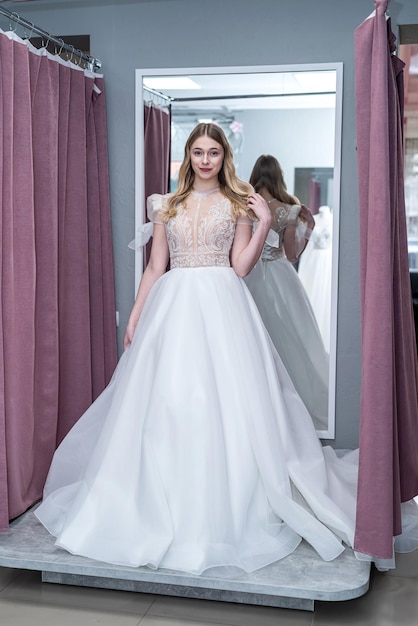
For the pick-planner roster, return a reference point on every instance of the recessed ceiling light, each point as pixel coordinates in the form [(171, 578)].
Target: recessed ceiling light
[(317, 81), (170, 82)]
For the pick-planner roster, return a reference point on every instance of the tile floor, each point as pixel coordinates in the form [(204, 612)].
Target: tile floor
[(26, 601)]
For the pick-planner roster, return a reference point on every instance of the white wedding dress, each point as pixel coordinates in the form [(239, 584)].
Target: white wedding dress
[(315, 271), (199, 453), (287, 313)]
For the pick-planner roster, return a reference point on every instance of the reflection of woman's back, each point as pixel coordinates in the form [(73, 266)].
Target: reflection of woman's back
[(283, 302)]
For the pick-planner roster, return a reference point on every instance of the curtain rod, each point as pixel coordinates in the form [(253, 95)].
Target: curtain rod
[(91, 63), (254, 95)]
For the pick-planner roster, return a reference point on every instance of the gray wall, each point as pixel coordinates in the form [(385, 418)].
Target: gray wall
[(185, 33), (296, 137)]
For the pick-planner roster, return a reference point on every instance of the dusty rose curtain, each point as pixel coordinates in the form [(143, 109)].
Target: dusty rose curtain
[(157, 142), (388, 471), (57, 314), (314, 201)]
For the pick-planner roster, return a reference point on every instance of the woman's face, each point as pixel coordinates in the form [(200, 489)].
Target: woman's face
[(206, 158)]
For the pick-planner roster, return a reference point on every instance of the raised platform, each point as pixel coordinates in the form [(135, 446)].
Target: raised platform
[(294, 582)]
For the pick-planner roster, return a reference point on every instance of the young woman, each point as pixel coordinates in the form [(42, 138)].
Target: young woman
[(280, 295), (199, 454)]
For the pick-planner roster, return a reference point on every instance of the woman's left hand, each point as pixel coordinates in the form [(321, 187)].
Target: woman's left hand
[(260, 208)]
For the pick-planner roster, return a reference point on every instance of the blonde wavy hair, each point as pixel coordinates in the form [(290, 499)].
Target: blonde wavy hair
[(232, 187)]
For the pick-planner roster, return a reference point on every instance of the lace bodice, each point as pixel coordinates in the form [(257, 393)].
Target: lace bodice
[(283, 215), (202, 232)]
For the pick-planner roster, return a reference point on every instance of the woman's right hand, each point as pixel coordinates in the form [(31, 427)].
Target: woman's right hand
[(257, 204), (129, 335), (306, 215)]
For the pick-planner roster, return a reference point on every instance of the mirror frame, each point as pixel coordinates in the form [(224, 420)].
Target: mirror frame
[(140, 74)]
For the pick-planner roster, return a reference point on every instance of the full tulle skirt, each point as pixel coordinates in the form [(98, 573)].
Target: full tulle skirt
[(290, 321), (315, 272), (199, 453)]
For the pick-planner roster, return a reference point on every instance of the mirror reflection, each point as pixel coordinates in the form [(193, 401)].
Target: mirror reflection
[(279, 293), (293, 114)]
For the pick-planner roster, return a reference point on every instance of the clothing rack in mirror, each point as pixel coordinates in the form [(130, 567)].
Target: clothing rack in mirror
[(158, 94), (30, 29)]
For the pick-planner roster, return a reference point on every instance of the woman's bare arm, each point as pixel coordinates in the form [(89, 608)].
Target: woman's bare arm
[(156, 267)]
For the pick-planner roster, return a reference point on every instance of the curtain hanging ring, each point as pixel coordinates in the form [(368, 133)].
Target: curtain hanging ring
[(62, 46), (56, 51), (79, 57), (31, 31), (14, 16)]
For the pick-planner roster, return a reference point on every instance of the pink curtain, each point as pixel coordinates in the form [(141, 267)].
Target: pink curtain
[(157, 142), (388, 471), (57, 314), (314, 201)]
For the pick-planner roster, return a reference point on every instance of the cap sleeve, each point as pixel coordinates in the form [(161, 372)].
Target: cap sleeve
[(155, 206), (144, 232), (244, 219)]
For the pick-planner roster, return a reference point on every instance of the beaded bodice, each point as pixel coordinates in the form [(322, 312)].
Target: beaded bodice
[(283, 215), (202, 231)]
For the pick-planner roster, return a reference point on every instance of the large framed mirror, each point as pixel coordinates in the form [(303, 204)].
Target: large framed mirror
[(293, 112)]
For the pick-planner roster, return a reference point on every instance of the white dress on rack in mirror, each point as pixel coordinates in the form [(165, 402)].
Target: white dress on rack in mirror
[(199, 453), (288, 316), (315, 271)]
